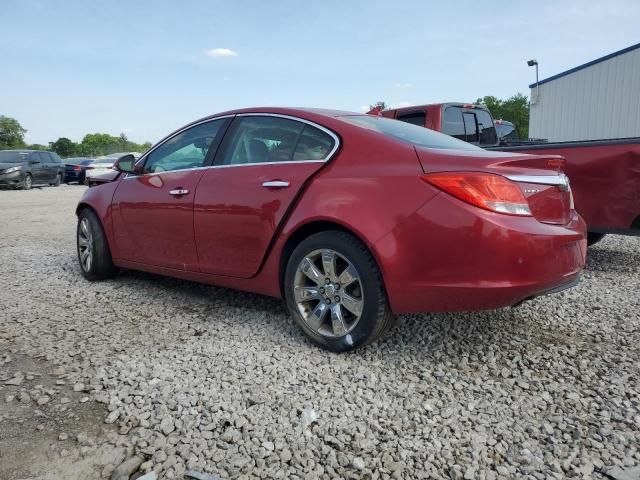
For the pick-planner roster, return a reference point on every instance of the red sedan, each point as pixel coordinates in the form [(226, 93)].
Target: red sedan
[(350, 218)]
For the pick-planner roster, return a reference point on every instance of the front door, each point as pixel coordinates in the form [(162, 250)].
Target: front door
[(153, 211), (40, 169), (262, 164)]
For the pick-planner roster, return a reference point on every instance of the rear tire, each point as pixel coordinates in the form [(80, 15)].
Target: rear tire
[(593, 238), (335, 292), (57, 182), (27, 183), (94, 255)]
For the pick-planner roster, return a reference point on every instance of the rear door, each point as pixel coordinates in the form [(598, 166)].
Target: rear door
[(261, 166), (153, 212)]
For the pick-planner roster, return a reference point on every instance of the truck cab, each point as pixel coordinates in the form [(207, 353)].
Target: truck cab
[(465, 121)]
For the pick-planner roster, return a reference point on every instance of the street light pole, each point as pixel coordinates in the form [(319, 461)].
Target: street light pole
[(531, 63)]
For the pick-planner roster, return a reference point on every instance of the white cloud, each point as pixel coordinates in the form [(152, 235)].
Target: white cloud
[(403, 85), (222, 52)]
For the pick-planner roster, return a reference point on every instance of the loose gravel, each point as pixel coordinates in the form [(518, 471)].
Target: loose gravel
[(220, 381)]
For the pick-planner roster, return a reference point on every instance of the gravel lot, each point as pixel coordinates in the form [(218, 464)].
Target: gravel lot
[(196, 377)]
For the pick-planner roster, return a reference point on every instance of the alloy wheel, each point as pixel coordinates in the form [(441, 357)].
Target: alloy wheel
[(328, 293), (85, 244), (28, 182)]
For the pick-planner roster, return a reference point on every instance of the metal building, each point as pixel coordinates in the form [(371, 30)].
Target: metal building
[(597, 100)]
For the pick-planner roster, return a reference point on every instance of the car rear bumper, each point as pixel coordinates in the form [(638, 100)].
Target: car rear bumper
[(451, 256), (73, 176)]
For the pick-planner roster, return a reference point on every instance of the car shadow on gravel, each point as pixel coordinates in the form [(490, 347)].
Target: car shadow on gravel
[(603, 258)]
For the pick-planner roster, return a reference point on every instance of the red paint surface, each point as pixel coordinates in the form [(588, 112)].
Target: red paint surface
[(435, 252)]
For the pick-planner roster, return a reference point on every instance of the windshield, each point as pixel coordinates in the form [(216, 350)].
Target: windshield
[(10, 156), (408, 133)]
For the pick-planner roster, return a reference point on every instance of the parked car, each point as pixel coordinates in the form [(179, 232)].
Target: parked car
[(75, 169), (605, 174), (350, 218), (104, 164), (25, 168)]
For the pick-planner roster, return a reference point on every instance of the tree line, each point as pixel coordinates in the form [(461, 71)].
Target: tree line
[(514, 109), (92, 145)]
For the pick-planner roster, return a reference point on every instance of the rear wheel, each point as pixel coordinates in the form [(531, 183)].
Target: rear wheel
[(57, 182), (27, 183), (335, 293), (94, 255), (593, 238)]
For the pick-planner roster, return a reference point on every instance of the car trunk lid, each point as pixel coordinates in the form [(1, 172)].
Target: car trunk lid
[(540, 178)]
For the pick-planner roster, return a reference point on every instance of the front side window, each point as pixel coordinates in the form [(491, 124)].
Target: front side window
[(12, 156), (187, 149), (453, 124), (414, 118), (265, 139)]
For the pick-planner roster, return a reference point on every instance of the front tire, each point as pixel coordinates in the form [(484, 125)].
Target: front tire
[(335, 293), (27, 183), (94, 255)]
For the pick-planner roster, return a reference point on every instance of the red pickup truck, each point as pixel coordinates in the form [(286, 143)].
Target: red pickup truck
[(604, 174)]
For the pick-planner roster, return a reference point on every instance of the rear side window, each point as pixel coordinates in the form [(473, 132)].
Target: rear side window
[(408, 133), (259, 139), (42, 157), (453, 124), (414, 118), (488, 135), (470, 127), (314, 144)]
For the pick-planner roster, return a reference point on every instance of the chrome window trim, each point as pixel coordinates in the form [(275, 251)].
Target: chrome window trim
[(560, 180), (335, 148)]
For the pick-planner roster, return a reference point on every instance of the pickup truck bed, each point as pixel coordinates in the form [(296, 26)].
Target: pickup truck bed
[(605, 180)]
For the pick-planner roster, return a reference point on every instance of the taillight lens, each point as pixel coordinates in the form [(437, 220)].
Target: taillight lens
[(484, 190), (77, 168)]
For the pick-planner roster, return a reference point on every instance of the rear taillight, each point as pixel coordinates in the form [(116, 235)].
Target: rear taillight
[(484, 190), (77, 168)]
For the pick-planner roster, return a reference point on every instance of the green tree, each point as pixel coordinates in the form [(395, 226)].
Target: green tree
[(36, 146), (95, 144), (64, 147), (11, 133), (381, 105), (515, 109)]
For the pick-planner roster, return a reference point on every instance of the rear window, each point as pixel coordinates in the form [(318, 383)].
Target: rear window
[(413, 134), (414, 118), (9, 156)]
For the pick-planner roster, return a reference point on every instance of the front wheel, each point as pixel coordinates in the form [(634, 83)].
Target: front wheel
[(27, 183), (335, 293), (94, 255)]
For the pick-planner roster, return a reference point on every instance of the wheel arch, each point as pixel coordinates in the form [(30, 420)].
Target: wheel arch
[(304, 231)]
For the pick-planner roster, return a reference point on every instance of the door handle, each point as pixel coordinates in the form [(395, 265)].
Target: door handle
[(176, 192), (275, 184)]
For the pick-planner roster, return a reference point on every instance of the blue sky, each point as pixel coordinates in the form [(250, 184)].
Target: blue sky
[(145, 68)]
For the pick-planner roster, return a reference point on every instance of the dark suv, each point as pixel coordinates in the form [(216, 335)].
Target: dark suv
[(25, 168)]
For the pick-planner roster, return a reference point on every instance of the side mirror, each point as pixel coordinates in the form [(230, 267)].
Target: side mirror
[(126, 164)]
